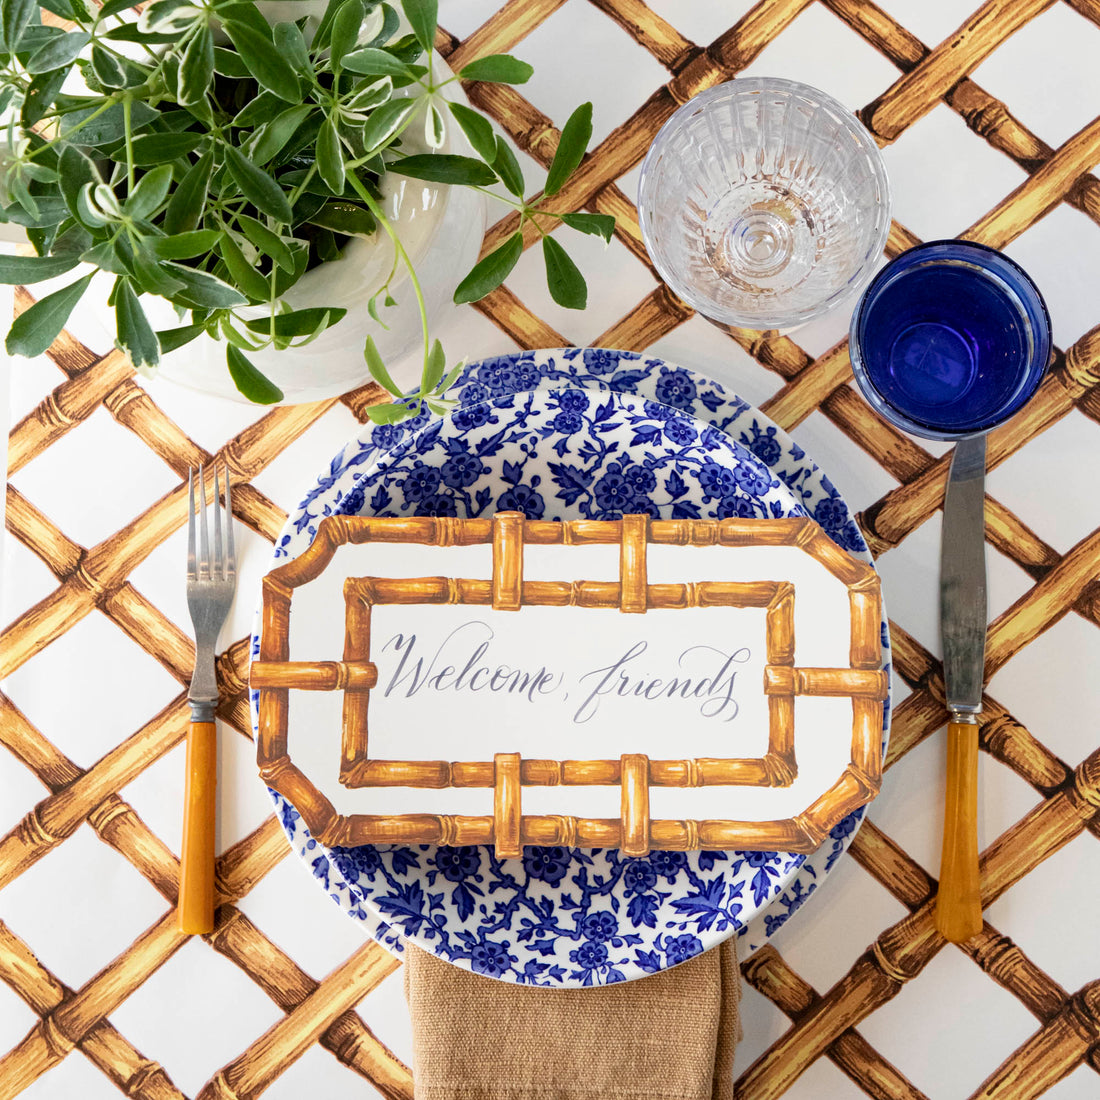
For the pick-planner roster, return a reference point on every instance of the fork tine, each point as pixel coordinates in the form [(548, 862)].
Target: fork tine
[(217, 568), (204, 533), (191, 523), (230, 556)]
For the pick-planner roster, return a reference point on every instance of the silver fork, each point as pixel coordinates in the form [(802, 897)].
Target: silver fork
[(211, 581)]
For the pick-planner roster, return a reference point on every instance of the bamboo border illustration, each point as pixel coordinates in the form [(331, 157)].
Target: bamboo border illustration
[(1060, 580), (508, 829)]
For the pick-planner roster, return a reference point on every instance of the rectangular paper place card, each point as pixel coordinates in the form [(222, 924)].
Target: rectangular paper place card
[(726, 672)]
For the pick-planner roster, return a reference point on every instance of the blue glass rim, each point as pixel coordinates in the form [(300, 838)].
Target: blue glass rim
[(1020, 287)]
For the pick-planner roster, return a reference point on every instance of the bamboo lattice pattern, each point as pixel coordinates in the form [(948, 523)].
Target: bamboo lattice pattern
[(864, 681), (825, 1024)]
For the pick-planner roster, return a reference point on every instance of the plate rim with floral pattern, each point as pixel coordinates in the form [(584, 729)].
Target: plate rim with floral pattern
[(641, 376)]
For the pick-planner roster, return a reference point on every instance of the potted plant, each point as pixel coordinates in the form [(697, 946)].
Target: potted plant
[(214, 160)]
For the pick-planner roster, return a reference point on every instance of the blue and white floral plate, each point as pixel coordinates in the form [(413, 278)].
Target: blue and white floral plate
[(559, 916)]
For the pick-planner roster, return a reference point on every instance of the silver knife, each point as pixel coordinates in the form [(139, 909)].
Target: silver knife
[(963, 616)]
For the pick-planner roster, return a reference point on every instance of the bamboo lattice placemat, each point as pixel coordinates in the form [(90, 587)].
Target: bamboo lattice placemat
[(108, 1002)]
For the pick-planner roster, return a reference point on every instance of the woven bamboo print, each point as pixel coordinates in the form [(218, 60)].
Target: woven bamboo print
[(833, 1036), (508, 830)]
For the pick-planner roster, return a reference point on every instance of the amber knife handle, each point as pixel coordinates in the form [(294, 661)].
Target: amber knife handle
[(959, 902), (196, 901)]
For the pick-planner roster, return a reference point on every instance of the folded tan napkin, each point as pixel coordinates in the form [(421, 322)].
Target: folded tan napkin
[(669, 1036)]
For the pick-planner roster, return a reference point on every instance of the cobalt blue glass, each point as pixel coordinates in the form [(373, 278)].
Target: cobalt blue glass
[(950, 339)]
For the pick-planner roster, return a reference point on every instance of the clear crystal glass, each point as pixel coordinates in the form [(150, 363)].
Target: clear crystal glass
[(764, 202)]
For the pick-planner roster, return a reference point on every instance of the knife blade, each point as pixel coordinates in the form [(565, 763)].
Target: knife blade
[(963, 615)]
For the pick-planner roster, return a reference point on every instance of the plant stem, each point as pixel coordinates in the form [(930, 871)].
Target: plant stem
[(110, 102), (399, 248), (126, 109), (296, 194)]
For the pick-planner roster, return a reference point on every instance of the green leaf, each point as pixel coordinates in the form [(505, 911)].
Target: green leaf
[(162, 148), (129, 32), (72, 239), (377, 367), (433, 369), (563, 277), (433, 127), (135, 335), (150, 276), (196, 72), (168, 16), (36, 328), (285, 280), (247, 278), (345, 217), (114, 7), (87, 214), (386, 121), (105, 256), (108, 127), (236, 337), (34, 36), (307, 205), (107, 69), (345, 31), (264, 62), (270, 244), (406, 49), (242, 12), (58, 52), (67, 9), (202, 290), (39, 173), (324, 28), (151, 191), (575, 135), (388, 414), (507, 167), (260, 109), (172, 338), (422, 16), (598, 225), (375, 62), (186, 204), (444, 168), (489, 272), (498, 68), (271, 137), (452, 377), (21, 270), (298, 322), (14, 17), (370, 95), (390, 23), (258, 187), (50, 210), (40, 95), (291, 44), (182, 246), (21, 194), (372, 309), (478, 130), (254, 385), (229, 63), (330, 157)]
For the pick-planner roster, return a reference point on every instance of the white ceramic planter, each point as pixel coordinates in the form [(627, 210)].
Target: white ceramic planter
[(441, 228)]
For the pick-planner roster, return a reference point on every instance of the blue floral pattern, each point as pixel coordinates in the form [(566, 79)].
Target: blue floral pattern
[(682, 446)]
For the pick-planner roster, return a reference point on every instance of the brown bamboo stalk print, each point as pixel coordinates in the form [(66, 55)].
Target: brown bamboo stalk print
[(1058, 583), (507, 533)]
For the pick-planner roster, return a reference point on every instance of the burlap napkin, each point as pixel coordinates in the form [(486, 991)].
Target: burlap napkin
[(668, 1036)]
